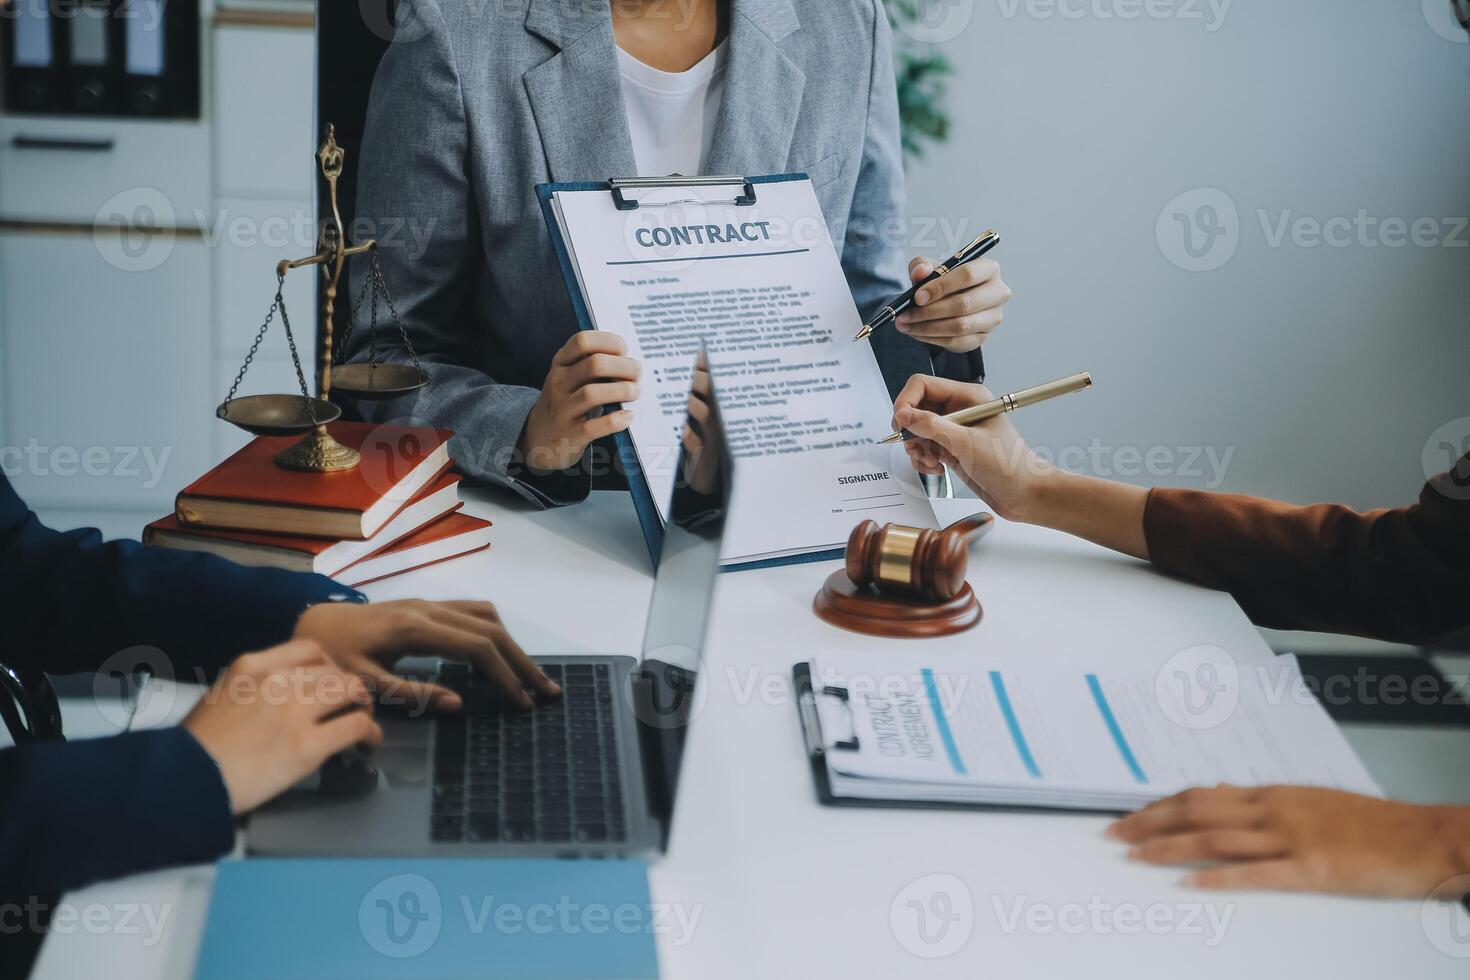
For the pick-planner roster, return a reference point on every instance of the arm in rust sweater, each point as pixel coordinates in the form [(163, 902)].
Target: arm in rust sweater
[(1393, 574), (1400, 574)]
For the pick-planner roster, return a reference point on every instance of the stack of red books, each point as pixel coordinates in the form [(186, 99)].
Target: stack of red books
[(397, 511)]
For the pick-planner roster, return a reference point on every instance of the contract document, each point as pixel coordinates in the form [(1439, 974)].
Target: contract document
[(761, 287), (1017, 732)]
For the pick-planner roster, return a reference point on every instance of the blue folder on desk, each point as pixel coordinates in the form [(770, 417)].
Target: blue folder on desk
[(648, 517), (422, 919)]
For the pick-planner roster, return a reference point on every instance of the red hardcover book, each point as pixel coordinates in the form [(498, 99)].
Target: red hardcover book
[(249, 492), (450, 537), (305, 554)]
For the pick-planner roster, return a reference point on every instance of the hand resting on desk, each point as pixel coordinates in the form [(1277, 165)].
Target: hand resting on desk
[(1298, 838)]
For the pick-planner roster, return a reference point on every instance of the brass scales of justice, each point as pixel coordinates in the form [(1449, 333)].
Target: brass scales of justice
[(286, 415)]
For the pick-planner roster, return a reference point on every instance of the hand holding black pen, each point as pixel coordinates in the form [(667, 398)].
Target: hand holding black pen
[(903, 301)]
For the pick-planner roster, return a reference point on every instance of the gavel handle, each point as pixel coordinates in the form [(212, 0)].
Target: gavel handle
[(971, 529)]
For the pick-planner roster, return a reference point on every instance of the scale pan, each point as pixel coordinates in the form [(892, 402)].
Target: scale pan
[(279, 415), (376, 380)]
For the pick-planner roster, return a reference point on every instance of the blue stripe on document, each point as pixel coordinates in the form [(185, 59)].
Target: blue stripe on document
[(1011, 723), (942, 723), (1112, 723)]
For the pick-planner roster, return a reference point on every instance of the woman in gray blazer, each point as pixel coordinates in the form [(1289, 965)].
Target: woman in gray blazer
[(477, 101)]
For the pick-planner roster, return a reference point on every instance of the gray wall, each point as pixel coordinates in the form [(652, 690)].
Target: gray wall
[(1321, 370)]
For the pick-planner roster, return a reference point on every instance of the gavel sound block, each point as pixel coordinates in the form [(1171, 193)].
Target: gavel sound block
[(904, 582)]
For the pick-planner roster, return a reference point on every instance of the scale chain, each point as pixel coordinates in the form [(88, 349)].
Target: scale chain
[(352, 320), (373, 315), (381, 283), (378, 284), (250, 355), (295, 357), (278, 304)]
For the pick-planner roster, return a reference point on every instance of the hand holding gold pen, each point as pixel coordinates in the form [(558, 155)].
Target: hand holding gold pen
[(904, 300), (1007, 403)]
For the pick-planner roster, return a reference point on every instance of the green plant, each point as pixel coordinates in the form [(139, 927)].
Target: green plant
[(923, 82)]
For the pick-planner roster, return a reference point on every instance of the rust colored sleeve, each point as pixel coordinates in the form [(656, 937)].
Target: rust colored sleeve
[(1400, 575)]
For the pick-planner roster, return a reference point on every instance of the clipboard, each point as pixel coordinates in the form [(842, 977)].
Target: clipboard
[(814, 745), (622, 190)]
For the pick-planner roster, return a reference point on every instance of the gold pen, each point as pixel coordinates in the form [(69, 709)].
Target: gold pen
[(1007, 403), (904, 300)]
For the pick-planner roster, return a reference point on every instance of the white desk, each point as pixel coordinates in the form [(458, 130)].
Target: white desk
[(786, 887)]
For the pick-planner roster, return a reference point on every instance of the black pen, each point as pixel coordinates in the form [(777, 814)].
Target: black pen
[(969, 253)]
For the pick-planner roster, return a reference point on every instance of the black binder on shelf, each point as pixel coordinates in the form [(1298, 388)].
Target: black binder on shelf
[(159, 64), (31, 57), (104, 58), (93, 57)]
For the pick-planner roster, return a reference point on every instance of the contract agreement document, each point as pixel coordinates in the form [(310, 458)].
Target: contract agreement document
[(1010, 729), (761, 286)]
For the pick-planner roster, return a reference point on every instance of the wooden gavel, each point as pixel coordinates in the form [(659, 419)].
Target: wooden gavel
[(927, 564)]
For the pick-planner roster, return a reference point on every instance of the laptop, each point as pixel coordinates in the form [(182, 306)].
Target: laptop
[(591, 774)]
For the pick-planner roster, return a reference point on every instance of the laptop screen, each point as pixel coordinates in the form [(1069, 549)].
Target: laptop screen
[(689, 561)]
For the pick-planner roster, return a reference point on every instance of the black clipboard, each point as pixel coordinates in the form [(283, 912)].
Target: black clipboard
[(814, 744)]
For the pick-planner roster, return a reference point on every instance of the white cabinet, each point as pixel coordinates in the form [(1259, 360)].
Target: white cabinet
[(263, 140), (249, 239), (78, 170), (265, 182), (115, 344), (107, 388)]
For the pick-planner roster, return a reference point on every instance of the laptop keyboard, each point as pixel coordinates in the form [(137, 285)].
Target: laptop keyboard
[(545, 776)]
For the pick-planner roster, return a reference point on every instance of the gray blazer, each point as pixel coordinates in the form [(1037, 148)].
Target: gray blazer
[(477, 101)]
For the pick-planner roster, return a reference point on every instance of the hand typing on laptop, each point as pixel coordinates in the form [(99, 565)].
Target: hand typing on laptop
[(590, 774), (366, 641), (275, 716)]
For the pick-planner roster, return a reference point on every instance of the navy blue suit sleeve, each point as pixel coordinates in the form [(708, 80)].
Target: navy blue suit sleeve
[(76, 812), (70, 600)]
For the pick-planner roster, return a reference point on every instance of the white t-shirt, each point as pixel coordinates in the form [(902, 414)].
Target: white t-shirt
[(671, 115)]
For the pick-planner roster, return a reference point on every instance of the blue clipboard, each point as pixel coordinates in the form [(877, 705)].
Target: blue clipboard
[(648, 519), (427, 919)]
